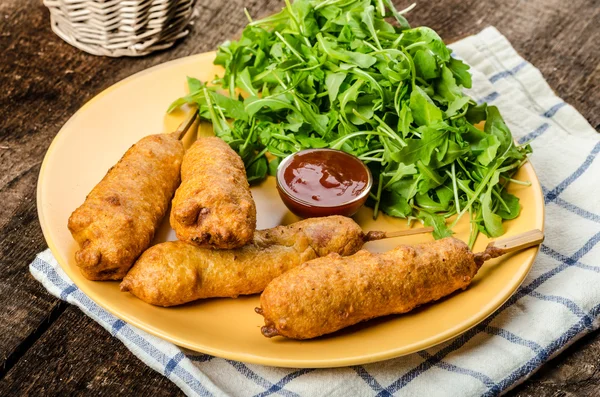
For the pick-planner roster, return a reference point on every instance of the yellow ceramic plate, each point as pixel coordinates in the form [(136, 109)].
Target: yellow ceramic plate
[(96, 137)]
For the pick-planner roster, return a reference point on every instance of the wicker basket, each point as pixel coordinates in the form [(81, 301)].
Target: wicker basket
[(120, 27)]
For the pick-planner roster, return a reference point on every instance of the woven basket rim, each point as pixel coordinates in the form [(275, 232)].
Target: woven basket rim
[(121, 28)]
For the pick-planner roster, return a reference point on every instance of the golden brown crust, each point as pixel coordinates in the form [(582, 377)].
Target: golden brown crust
[(117, 221), (177, 272), (213, 207), (331, 293)]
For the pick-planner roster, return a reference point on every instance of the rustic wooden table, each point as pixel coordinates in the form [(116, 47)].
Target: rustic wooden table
[(50, 347)]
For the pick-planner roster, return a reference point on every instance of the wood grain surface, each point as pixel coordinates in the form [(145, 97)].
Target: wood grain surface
[(48, 347)]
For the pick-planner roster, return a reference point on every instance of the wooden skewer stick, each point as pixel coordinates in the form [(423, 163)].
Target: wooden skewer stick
[(510, 244), (377, 235), (186, 124)]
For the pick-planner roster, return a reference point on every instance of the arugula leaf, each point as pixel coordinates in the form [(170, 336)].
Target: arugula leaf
[(405, 118), (333, 81), (510, 207), (311, 142), (491, 220), (425, 202), (368, 20), (319, 122), (400, 172), (421, 149), (257, 170), (476, 113), (445, 196), (457, 105), (395, 205), (447, 87), (495, 125), (423, 110), (359, 114), (361, 60), (440, 229), (426, 65), (273, 165), (489, 145), (230, 107), (454, 151), (244, 80), (460, 70), (194, 84), (254, 104), (399, 17)]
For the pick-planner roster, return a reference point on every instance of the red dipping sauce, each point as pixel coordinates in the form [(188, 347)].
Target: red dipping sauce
[(322, 182)]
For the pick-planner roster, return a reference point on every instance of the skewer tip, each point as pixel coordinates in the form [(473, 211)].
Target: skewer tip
[(269, 332), (373, 235), (490, 252), (379, 235)]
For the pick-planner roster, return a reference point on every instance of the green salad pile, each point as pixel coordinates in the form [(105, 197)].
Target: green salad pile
[(352, 75)]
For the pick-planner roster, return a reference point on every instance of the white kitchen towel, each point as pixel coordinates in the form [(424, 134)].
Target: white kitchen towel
[(558, 302)]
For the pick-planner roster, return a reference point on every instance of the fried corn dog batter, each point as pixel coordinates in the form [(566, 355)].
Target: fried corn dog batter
[(213, 207), (117, 221), (176, 272), (331, 293)]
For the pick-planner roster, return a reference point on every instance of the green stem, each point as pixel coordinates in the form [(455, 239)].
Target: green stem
[(386, 128), (413, 72), (213, 116), (375, 49), (269, 20), (417, 44), (381, 8), (465, 188), (360, 116), (365, 159), (397, 98), (340, 141), (247, 15), (518, 182), (495, 193), (259, 155), (369, 153), (397, 41), (249, 135), (378, 198), (478, 191), (289, 46), (330, 2), (455, 188), (473, 230), (288, 7)]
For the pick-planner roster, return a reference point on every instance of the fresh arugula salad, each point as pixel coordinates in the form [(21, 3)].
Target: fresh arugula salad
[(352, 75)]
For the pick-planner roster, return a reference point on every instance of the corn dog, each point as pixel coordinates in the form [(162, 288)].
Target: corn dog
[(119, 217), (213, 207), (174, 273), (333, 292)]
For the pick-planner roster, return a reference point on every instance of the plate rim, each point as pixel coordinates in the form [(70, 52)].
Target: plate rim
[(448, 334)]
